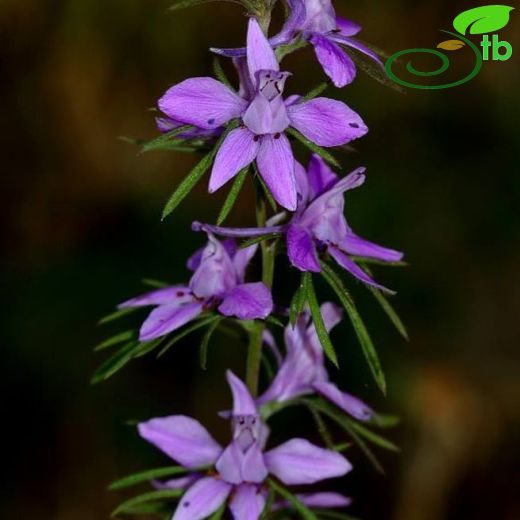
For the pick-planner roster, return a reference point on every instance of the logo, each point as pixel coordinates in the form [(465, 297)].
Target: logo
[(478, 21)]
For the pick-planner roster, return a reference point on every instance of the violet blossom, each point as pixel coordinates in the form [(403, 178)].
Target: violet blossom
[(209, 104), (319, 224), (303, 371), (217, 283), (316, 21), (236, 474)]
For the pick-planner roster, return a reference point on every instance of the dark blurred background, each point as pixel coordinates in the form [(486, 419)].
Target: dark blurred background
[(80, 215)]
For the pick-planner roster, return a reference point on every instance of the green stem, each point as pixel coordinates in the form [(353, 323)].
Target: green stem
[(254, 353)]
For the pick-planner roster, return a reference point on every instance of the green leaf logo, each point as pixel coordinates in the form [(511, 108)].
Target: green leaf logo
[(482, 20)]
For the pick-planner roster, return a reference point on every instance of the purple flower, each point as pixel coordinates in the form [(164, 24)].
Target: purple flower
[(217, 282), (208, 104), (303, 369), (316, 22), (319, 224), (237, 473)]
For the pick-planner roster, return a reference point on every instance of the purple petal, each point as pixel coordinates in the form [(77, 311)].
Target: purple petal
[(355, 44), (321, 177), (301, 249), (260, 55), (347, 27), (216, 273), (203, 102), (183, 439), (202, 499), (229, 464), (326, 122), (338, 66), (176, 295), (358, 246), (248, 301), (347, 263), (247, 503), (243, 403), (241, 260), (253, 465), (299, 462), (167, 318), (293, 23), (347, 402), (239, 149), (276, 166), (324, 500)]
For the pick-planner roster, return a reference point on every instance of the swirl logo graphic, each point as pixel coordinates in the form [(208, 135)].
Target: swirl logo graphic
[(479, 21)]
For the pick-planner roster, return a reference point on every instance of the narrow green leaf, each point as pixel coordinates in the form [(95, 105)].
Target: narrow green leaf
[(339, 417), (233, 194), (359, 327), (297, 303), (115, 340), (189, 182), (299, 506), (385, 421), (257, 240), (324, 154), (265, 189), (321, 330), (163, 140), (152, 496), (205, 341), (116, 315), (273, 320), (152, 282), (220, 74), (374, 261), (390, 312), (185, 332), (115, 362), (146, 476), (315, 92)]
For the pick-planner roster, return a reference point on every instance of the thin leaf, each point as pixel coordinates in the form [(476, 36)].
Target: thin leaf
[(220, 74), (152, 496), (115, 340), (185, 332), (256, 240), (189, 182), (116, 315), (164, 139), (385, 421), (390, 312), (299, 506), (297, 303), (321, 330), (152, 282), (340, 419), (324, 154), (146, 476), (359, 327), (115, 362), (233, 194), (315, 92), (205, 341), (273, 320)]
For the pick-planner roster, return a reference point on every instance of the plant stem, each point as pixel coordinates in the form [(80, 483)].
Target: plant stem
[(254, 353)]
